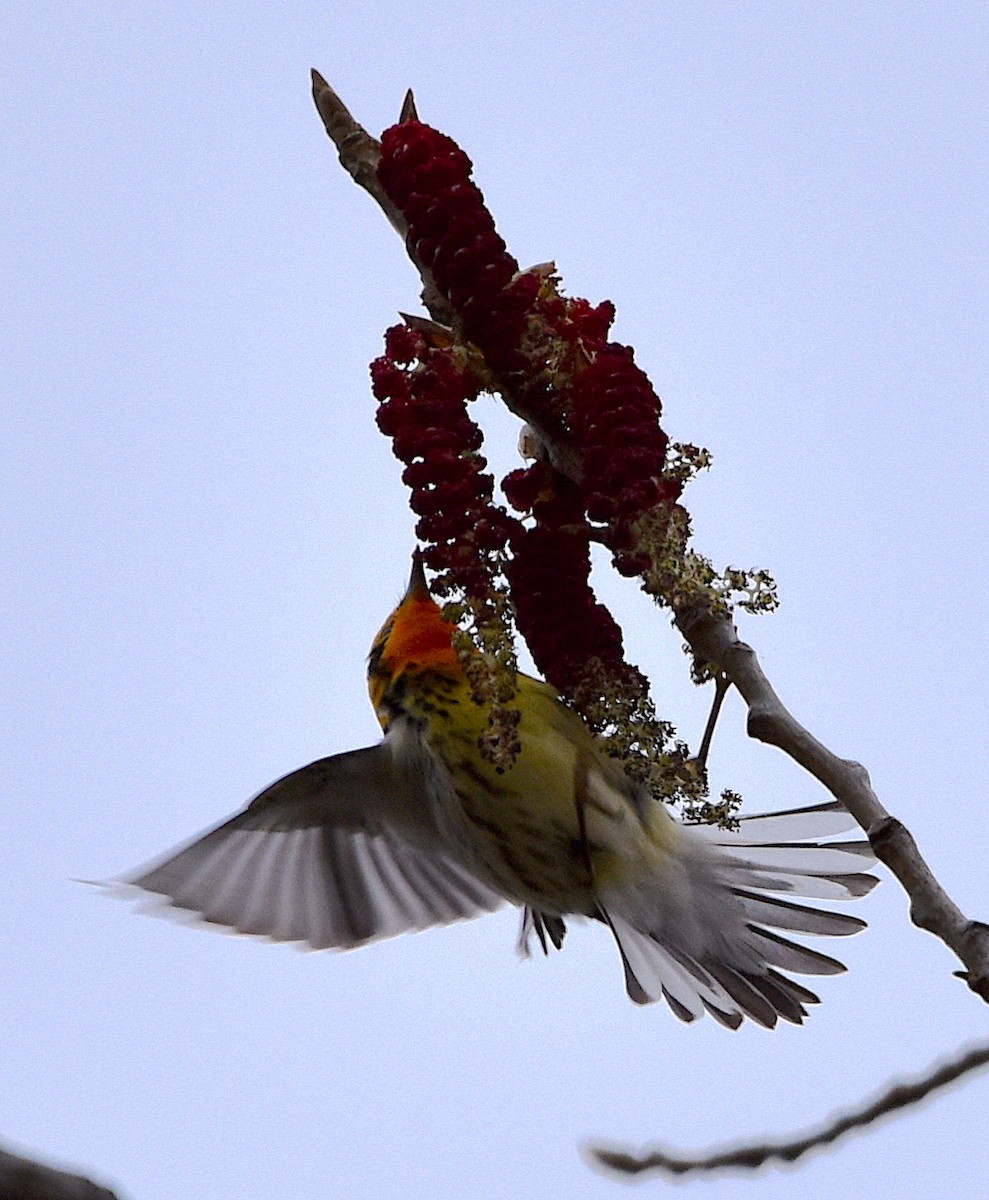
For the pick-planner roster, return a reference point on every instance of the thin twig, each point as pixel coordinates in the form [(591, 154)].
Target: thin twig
[(722, 685), (749, 1157), (359, 152)]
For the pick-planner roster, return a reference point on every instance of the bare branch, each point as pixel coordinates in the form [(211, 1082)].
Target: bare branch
[(722, 686), (750, 1157), (359, 152), (713, 637)]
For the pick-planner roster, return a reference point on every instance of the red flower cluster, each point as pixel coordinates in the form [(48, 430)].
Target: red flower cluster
[(614, 418), (551, 350), (552, 353), (555, 607), (423, 409), (451, 234)]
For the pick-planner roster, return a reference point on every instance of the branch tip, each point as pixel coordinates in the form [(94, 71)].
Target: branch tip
[(408, 112)]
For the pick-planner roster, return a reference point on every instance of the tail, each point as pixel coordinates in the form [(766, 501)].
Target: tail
[(695, 934)]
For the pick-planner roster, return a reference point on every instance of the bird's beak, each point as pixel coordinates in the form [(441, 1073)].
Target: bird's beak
[(418, 587)]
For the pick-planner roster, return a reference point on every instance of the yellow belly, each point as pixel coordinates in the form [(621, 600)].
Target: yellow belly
[(554, 826)]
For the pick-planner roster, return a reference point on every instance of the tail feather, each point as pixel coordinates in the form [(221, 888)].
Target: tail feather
[(801, 858), (808, 887), (699, 931), (796, 989), (749, 998), (782, 1001), (780, 952), (729, 1019), (653, 971), (684, 1014), (787, 825), (797, 918), (636, 993), (729, 985)]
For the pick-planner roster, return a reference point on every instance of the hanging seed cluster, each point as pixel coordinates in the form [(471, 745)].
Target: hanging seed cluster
[(550, 353)]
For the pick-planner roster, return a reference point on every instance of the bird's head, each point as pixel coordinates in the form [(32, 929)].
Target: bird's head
[(415, 636)]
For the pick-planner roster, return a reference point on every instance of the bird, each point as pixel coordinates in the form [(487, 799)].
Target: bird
[(421, 830)]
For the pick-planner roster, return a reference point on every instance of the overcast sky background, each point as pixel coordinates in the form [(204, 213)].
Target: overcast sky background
[(203, 531)]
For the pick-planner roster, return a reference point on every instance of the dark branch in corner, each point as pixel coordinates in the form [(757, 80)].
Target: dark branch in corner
[(25, 1179)]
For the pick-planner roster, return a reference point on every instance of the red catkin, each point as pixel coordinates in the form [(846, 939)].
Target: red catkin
[(423, 392)]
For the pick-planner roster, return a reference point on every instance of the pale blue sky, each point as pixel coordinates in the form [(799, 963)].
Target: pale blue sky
[(787, 202)]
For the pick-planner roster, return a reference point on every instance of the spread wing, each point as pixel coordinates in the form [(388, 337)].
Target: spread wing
[(334, 855)]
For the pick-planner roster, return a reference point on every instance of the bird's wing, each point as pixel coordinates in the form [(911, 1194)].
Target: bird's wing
[(336, 854)]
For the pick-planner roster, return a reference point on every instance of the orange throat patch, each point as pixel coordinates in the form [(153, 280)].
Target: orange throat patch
[(415, 636)]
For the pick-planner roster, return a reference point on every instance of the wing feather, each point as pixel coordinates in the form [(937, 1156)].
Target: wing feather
[(335, 855)]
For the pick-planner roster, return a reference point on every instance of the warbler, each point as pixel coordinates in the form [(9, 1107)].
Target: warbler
[(421, 830)]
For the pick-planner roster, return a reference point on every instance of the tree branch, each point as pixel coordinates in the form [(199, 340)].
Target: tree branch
[(749, 1157), (25, 1179), (715, 639), (360, 154), (713, 636)]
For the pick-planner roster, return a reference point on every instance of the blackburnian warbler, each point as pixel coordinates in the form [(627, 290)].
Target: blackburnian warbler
[(422, 830)]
